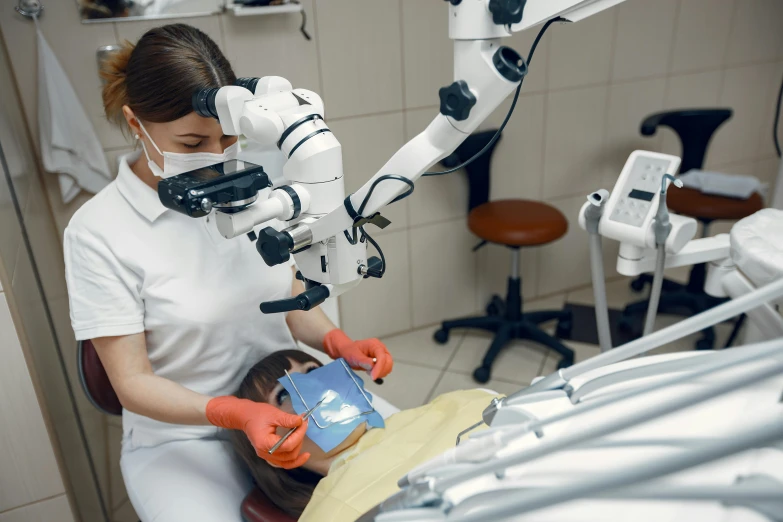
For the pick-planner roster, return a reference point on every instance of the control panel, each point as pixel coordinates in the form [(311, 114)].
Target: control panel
[(631, 207)]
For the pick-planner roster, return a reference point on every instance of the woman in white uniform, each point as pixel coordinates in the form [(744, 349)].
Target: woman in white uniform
[(172, 307)]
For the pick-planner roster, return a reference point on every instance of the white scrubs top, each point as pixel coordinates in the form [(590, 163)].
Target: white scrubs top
[(134, 266)]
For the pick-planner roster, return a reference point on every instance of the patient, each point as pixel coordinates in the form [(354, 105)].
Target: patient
[(363, 470)]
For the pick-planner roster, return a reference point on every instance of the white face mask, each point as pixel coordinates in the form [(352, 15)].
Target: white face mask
[(176, 162)]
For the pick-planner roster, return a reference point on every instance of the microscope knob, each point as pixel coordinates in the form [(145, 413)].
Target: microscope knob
[(454, 2), (507, 12), (274, 246), (456, 100)]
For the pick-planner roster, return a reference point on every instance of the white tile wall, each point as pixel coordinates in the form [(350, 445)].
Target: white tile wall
[(745, 90), (581, 54), (574, 139), (629, 105), (367, 143), (427, 51), (644, 38), (360, 47), (56, 508), (132, 31), (518, 160), (756, 34), (703, 31), (443, 272), (273, 46), (690, 91), (28, 469), (362, 313), (566, 262)]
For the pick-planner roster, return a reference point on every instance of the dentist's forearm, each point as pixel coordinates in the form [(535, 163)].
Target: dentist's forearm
[(140, 390)]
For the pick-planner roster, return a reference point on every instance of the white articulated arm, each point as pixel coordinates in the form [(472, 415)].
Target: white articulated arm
[(486, 73)]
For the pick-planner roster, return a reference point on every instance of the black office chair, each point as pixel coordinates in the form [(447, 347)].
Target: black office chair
[(695, 128), (513, 223)]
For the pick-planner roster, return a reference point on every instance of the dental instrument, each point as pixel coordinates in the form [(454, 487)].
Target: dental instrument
[(592, 218), (662, 227), (288, 434)]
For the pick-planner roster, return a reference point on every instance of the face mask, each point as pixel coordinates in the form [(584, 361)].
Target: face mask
[(176, 162), (346, 404)]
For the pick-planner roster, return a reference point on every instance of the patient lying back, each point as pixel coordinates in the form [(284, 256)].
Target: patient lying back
[(363, 470)]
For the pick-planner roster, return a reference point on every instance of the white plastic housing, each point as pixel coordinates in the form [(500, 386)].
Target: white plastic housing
[(272, 84), (628, 218), (229, 103)]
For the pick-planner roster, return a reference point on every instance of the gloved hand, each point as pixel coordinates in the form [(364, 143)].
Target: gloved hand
[(359, 354), (259, 422)]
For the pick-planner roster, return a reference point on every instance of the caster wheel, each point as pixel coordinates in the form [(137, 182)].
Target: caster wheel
[(637, 285), (705, 344), (624, 324), (565, 363), (496, 306), (481, 374), (441, 336), (564, 328)]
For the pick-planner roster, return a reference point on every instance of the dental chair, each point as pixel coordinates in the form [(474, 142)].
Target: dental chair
[(513, 223), (95, 382), (695, 129)]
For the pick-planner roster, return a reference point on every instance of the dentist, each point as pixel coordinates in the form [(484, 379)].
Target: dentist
[(172, 307)]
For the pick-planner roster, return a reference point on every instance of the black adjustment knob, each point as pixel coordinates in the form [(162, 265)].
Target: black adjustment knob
[(507, 12), (454, 2), (456, 100), (274, 246)]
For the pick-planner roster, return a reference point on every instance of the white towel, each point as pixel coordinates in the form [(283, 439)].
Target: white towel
[(69, 145), (721, 184)]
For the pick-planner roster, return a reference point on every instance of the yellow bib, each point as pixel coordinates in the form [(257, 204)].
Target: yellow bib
[(367, 473)]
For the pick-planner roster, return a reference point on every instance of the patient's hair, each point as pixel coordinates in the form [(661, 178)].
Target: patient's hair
[(289, 490), (157, 77)]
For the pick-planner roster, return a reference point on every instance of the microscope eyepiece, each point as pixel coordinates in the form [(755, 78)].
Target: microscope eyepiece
[(247, 83), (204, 102)]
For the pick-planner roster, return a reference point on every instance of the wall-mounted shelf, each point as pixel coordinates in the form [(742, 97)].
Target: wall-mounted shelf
[(242, 10)]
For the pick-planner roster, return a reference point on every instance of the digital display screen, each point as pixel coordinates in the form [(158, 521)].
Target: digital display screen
[(641, 194), (221, 169)]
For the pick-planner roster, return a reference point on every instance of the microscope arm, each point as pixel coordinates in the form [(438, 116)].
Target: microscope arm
[(474, 26)]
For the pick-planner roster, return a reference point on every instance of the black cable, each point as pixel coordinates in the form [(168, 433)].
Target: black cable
[(383, 178), (303, 29), (510, 110), (775, 137), (378, 180)]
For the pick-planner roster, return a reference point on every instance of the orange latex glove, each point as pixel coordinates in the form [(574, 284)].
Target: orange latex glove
[(359, 354), (259, 422)]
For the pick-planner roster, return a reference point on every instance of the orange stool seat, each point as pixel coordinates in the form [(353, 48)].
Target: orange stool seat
[(692, 202), (517, 222)]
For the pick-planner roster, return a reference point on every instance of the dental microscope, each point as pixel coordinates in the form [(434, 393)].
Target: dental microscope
[(325, 230)]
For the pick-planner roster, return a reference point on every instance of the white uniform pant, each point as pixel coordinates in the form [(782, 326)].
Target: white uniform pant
[(198, 480)]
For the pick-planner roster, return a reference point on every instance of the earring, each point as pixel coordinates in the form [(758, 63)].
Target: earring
[(136, 136)]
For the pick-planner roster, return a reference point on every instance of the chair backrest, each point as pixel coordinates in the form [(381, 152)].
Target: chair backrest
[(694, 127), (478, 171), (94, 380)]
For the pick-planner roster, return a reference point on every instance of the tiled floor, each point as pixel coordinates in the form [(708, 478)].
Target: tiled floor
[(424, 369)]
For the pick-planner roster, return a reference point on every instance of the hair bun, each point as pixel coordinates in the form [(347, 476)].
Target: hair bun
[(113, 71)]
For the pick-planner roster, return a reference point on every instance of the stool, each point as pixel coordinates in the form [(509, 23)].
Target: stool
[(695, 129), (256, 507), (513, 223)]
